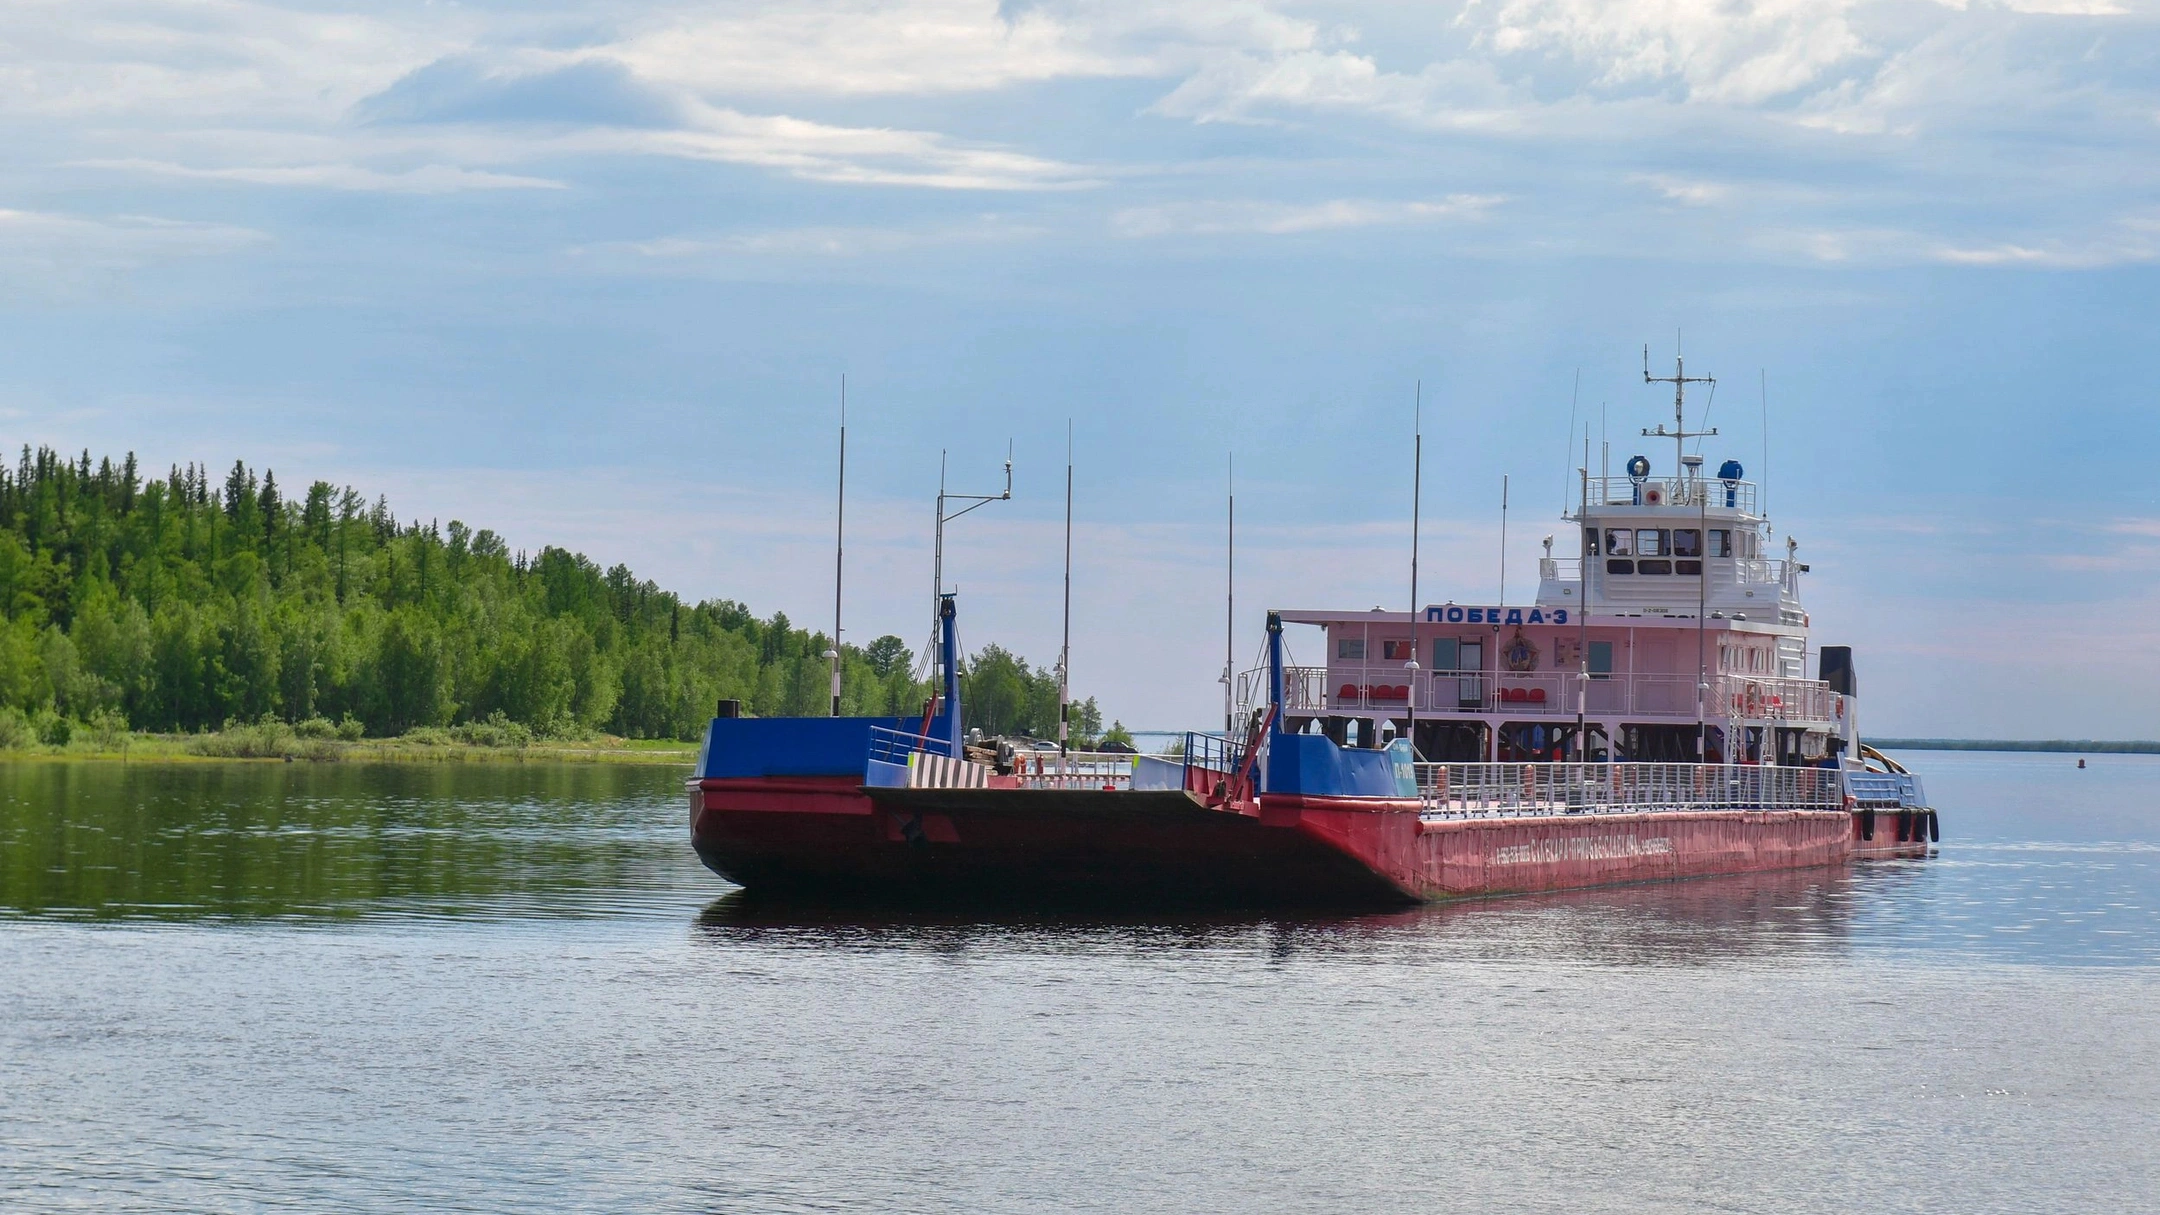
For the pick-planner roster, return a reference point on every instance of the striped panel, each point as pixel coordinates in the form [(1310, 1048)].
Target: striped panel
[(927, 771)]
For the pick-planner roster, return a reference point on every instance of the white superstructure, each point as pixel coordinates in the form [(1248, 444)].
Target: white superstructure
[(1676, 634)]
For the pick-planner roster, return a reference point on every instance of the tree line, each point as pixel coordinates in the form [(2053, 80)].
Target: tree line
[(185, 603)]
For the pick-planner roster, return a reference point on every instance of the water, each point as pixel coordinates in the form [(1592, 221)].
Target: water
[(511, 988)]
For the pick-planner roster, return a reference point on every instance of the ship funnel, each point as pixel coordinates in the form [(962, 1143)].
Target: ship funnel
[(1837, 670)]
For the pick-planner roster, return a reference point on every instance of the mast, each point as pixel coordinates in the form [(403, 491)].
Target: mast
[(1417, 490), (941, 627), (839, 550), (1582, 611), (1503, 539), (1680, 434), (1679, 379), (1065, 643), (1229, 661), (1702, 609)]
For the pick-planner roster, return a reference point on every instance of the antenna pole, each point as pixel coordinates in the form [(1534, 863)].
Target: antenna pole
[(1702, 609), (1503, 539), (839, 549), (1065, 644), (1574, 399), (1417, 491), (1582, 612), (1229, 663), (1762, 479)]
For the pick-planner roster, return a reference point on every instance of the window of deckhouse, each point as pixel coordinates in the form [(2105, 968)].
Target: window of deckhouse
[(1686, 542), (1590, 544), (1397, 651), (1720, 542), (1351, 648), (1649, 541), (1619, 541), (1446, 655)]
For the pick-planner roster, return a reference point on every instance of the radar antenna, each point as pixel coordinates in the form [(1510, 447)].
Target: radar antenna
[(1679, 379)]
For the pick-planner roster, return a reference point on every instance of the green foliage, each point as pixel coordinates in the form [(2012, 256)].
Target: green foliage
[(187, 603), (1000, 694)]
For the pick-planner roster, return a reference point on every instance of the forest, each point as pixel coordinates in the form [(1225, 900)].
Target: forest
[(186, 603)]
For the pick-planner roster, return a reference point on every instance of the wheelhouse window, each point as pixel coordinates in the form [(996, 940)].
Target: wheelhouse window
[(1619, 541), (1351, 648), (1650, 541), (1616, 565), (1658, 566), (1747, 545), (1686, 542), (1720, 542), (1590, 544)]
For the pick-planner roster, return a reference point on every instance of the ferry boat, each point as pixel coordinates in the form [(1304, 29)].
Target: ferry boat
[(1649, 715)]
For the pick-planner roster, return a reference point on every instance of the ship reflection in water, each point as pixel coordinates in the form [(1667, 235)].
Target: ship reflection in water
[(1763, 915)]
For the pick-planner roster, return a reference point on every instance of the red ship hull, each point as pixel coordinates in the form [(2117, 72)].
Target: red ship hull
[(835, 836)]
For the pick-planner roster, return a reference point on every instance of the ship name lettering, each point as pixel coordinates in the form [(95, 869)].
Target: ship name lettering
[(1591, 848), (1491, 615)]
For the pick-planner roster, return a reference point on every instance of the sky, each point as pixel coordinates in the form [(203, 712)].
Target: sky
[(591, 274)]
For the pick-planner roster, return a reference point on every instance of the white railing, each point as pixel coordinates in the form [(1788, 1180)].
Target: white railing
[(1386, 689), (1746, 571), (1674, 491), (1073, 770), (1305, 690), (1496, 790)]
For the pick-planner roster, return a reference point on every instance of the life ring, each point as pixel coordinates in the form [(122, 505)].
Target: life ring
[(1754, 700)]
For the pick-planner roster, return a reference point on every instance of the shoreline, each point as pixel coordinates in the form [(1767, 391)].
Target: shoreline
[(2052, 746), (218, 748)]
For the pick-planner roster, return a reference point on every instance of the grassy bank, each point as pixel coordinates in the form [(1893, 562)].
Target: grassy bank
[(279, 742)]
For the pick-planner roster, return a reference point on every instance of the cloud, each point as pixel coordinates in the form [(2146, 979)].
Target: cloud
[(52, 256), (1692, 192), (171, 62), (822, 241), (1247, 88), (41, 240), (2123, 240), (427, 179), (540, 89), (916, 47), (1282, 219), (1734, 51), (852, 155)]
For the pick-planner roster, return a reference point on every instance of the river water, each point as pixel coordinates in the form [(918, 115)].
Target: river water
[(512, 988)]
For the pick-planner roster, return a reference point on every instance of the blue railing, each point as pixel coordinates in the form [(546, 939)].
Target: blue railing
[(1216, 755), (1899, 790), (893, 746)]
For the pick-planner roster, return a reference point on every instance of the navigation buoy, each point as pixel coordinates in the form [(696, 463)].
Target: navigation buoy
[(2081, 763)]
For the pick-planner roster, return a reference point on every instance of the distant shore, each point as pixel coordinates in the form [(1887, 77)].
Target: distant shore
[(2066, 746), (253, 744)]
